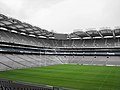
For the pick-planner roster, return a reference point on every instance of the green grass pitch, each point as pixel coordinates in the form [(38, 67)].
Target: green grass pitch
[(78, 77)]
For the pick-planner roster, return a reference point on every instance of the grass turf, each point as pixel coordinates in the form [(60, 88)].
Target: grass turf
[(78, 77)]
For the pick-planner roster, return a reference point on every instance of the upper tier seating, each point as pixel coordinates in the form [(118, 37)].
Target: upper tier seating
[(10, 37)]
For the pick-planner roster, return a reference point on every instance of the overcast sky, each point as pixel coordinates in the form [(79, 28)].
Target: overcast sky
[(64, 16)]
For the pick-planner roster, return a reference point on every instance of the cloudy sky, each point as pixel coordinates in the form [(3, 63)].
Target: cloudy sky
[(64, 16)]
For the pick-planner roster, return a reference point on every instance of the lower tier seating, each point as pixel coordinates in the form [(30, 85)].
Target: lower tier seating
[(15, 61)]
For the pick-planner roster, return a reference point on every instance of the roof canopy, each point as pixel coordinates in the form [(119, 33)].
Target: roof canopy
[(22, 27)]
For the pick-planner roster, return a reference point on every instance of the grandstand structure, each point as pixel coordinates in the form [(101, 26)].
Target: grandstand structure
[(23, 46)]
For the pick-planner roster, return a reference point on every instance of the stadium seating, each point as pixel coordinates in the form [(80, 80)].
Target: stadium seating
[(26, 40), (25, 46), (12, 85)]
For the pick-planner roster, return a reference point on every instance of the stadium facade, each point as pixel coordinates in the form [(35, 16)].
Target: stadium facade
[(23, 45)]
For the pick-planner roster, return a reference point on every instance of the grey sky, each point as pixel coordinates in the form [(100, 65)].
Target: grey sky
[(64, 16)]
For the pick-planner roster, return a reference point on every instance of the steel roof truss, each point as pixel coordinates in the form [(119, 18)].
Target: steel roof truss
[(100, 34)]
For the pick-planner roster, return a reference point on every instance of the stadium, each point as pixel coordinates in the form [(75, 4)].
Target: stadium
[(32, 58)]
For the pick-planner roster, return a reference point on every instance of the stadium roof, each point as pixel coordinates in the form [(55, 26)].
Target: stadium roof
[(22, 27)]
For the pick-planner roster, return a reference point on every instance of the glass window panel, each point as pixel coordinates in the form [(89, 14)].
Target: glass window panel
[(19, 26), (6, 22)]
